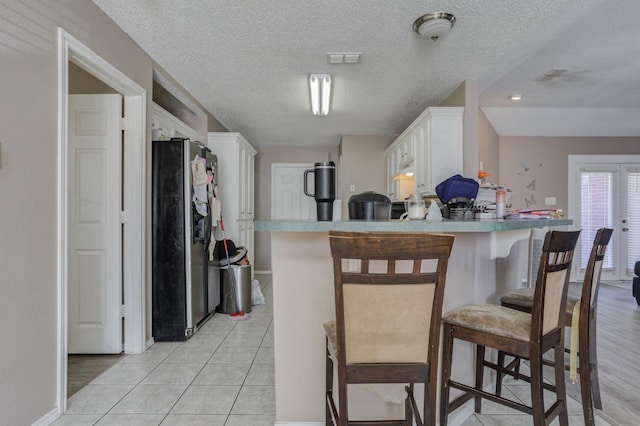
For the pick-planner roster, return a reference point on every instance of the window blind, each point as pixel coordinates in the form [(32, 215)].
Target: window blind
[(633, 218), (596, 189)]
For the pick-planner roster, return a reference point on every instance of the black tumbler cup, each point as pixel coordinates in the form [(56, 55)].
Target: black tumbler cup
[(324, 188)]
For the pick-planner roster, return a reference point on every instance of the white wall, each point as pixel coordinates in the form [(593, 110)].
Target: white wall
[(28, 186), (535, 167), (364, 165)]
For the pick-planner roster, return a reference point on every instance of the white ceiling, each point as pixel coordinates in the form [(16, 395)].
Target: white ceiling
[(248, 62)]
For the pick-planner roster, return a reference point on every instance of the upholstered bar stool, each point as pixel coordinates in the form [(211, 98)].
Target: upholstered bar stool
[(580, 313), (389, 289), (527, 335)]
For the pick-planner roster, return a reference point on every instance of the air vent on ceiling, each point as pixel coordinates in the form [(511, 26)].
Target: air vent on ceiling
[(553, 73), (344, 58)]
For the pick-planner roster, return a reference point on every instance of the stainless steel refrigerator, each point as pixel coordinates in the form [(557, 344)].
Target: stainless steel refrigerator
[(181, 232)]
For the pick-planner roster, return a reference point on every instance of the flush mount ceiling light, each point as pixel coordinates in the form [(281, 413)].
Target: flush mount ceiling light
[(434, 25), (515, 97), (320, 88)]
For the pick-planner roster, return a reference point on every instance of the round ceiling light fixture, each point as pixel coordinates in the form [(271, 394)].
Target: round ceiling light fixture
[(434, 25)]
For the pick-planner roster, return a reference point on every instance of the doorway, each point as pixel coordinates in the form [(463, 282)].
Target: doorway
[(604, 191), (288, 200), (132, 198)]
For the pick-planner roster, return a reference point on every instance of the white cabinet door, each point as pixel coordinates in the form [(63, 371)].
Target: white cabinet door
[(422, 181), (431, 147), (250, 186), (392, 171), (245, 233), (445, 144), (245, 166), (241, 167)]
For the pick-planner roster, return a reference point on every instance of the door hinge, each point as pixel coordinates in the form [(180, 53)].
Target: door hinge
[(123, 123), (122, 311), (122, 217)]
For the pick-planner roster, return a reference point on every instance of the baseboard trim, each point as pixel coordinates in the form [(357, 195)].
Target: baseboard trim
[(299, 424), (620, 284), (48, 418), (457, 418), (149, 343)]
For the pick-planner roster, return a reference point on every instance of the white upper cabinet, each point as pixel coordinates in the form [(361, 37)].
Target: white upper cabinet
[(430, 149)]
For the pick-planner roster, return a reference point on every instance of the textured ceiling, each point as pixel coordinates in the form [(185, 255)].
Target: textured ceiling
[(248, 62)]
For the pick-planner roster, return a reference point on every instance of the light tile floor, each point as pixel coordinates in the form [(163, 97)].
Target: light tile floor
[(517, 390), (224, 375)]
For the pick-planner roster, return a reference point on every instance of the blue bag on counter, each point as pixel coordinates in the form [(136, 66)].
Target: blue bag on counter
[(457, 188)]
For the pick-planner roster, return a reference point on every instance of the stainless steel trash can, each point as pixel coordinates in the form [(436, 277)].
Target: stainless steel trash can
[(241, 286)]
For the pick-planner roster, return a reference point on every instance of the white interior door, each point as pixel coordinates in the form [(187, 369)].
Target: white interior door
[(94, 225), (607, 194), (288, 200)]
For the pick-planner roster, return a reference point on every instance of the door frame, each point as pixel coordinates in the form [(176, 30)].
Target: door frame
[(133, 253), (573, 187)]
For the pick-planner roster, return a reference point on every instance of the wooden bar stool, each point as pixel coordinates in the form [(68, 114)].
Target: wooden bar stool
[(528, 336), (389, 288), (522, 300)]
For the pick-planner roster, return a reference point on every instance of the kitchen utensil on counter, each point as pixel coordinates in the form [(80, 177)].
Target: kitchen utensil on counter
[(369, 206), (415, 207), (324, 188), (459, 208), (434, 212)]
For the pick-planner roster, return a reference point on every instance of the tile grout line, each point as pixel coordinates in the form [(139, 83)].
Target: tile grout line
[(252, 364)]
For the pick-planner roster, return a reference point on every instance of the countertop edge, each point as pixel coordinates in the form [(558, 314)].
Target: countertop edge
[(476, 225)]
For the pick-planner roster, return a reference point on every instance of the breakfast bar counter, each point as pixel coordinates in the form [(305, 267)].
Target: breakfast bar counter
[(483, 266)]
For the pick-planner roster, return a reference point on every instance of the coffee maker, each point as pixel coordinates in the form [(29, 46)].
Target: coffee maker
[(324, 188)]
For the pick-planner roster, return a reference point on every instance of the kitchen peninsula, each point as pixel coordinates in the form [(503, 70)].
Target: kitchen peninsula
[(480, 270)]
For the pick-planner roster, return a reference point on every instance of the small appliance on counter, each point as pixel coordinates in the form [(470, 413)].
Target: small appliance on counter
[(324, 174), (369, 205), (397, 209), (458, 195)]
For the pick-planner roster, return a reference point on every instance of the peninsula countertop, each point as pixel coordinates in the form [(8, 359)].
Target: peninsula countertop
[(445, 225)]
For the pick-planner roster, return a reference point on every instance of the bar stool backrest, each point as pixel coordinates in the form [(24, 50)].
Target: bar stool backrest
[(389, 289), (550, 295)]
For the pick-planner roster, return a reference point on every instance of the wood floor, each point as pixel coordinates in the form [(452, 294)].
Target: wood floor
[(618, 355), (82, 369)]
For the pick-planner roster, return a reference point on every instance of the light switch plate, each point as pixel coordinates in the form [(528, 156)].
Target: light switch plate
[(352, 187), (550, 201)]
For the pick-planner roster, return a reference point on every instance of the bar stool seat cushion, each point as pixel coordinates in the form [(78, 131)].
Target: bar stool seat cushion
[(493, 319), (524, 297)]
